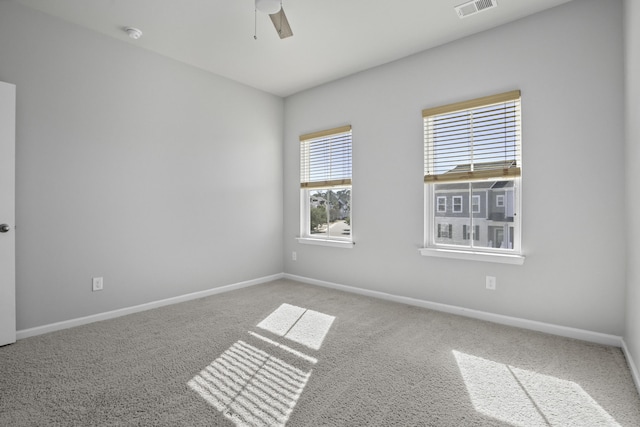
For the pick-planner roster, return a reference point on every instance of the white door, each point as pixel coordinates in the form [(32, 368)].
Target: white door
[(7, 214)]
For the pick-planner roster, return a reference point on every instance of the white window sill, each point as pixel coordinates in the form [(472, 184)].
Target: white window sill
[(473, 256), (326, 242)]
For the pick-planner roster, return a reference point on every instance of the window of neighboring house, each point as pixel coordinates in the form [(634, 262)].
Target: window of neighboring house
[(471, 232), (325, 186), (474, 147), (445, 231), (475, 204), (441, 203), (457, 204)]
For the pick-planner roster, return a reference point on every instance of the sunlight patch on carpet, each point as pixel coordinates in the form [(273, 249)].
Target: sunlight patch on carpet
[(285, 348), (250, 386), (525, 398), (306, 327)]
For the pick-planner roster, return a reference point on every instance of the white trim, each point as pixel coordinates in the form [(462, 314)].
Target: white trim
[(453, 204), (39, 330), (347, 244), (564, 331), (635, 374), (581, 334), (473, 256)]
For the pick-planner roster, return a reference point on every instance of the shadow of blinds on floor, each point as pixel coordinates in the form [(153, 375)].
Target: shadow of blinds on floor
[(251, 386)]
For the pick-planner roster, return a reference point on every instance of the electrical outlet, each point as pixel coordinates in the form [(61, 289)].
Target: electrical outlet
[(97, 283), (294, 256), (491, 283)]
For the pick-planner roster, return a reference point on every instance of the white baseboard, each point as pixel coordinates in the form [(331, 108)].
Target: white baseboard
[(581, 334), (564, 331), (39, 330), (632, 366)]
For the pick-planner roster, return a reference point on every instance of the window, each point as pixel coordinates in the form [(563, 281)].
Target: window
[(472, 150), (445, 231), (475, 204), (471, 233), (441, 204), (457, 204), (325, 185)]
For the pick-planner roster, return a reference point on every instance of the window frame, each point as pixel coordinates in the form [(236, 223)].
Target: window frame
[(306, 233), (444, 205), (430, 224), (471, 252), (308, 187)]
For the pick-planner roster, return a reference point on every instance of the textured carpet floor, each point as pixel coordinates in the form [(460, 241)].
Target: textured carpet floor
[(286, 352)]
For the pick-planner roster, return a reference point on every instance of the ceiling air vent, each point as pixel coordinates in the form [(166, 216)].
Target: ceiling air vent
[(472, 7)]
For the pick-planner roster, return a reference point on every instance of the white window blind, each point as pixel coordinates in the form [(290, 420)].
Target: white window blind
[(473, 140), (325, 158)]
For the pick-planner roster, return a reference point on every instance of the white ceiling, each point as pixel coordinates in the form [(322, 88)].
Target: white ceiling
[(332, 38)]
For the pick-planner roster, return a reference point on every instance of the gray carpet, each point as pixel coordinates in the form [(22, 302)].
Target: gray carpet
[(294, 354)]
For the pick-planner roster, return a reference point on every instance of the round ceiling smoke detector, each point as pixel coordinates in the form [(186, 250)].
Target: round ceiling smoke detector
[(134, 33)]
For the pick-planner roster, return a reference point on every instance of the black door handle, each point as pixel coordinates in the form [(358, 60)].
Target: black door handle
[(4, 228)]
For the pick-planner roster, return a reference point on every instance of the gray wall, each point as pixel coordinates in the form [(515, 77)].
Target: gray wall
[(632, 46), (568, 62), (161, 178)]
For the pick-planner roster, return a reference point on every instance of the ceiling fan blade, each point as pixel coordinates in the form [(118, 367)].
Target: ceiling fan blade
[(281, 23)]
